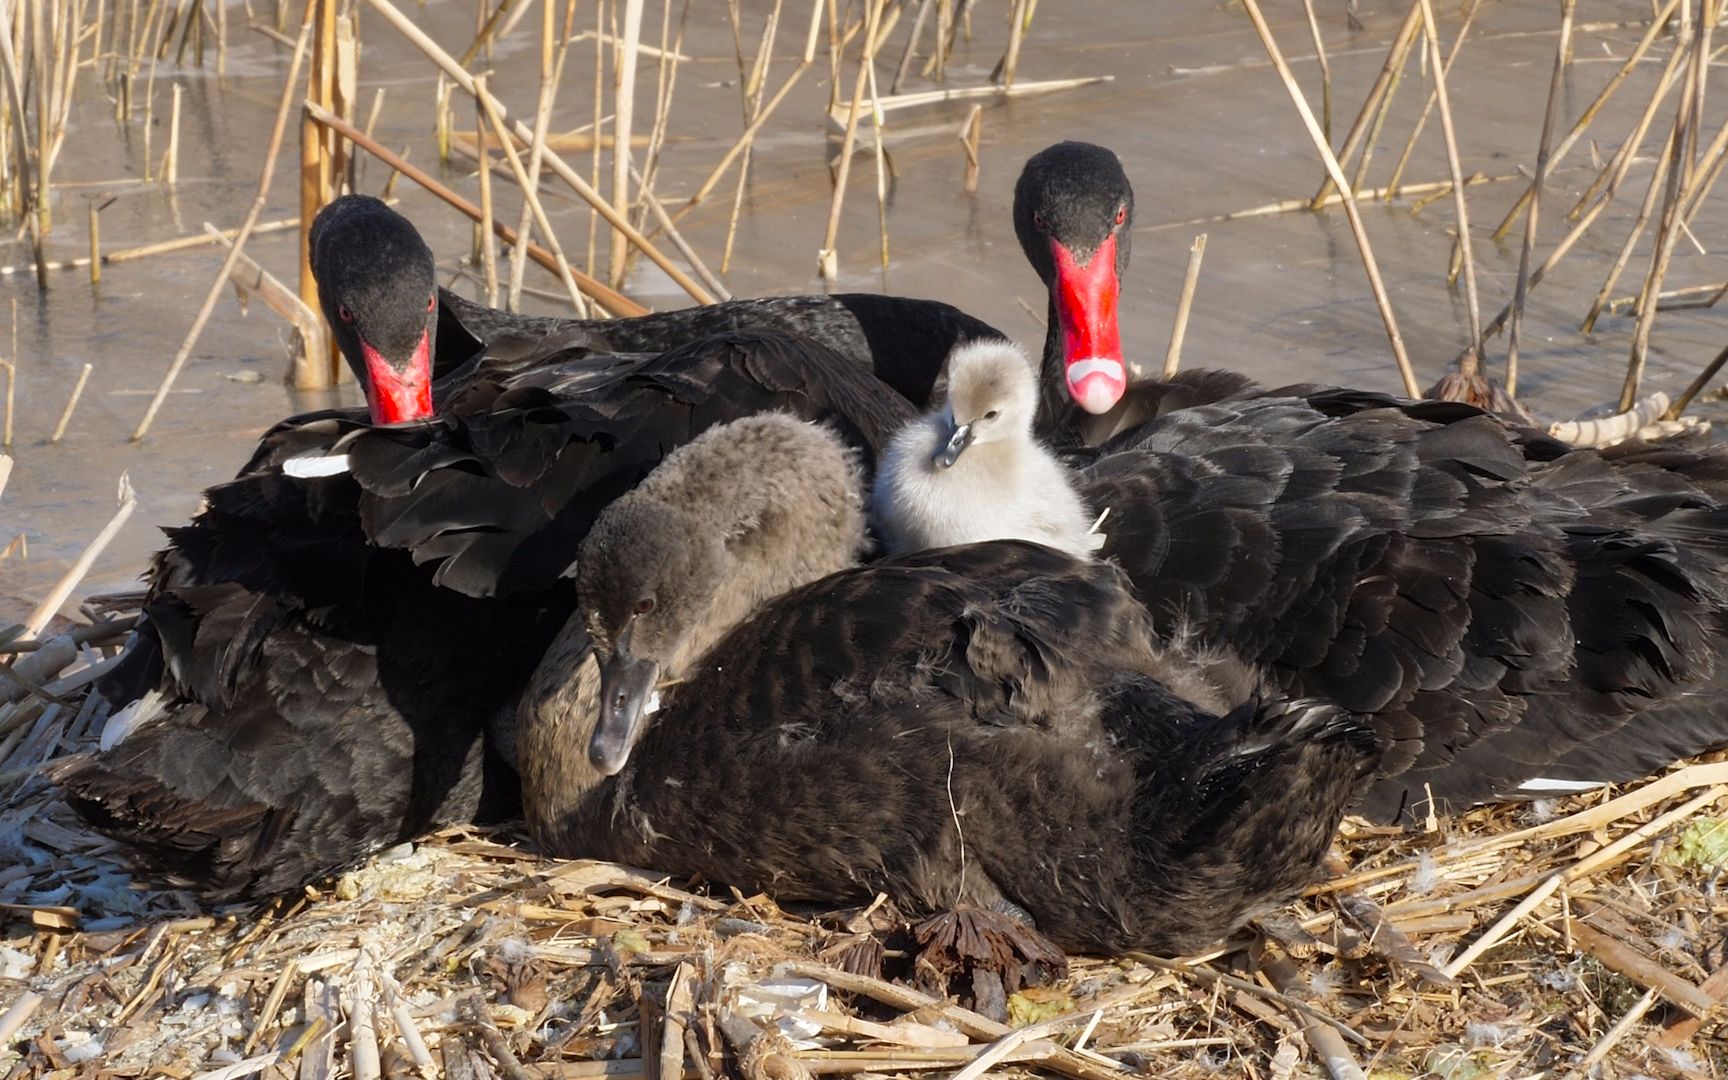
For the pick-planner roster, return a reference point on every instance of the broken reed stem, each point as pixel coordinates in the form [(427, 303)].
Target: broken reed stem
[(881, 154), (289, 92), (71, 403), (1562, 53), (1370, 105), (911, 45), (574, 179), (1351, 211), (1325, 82), (487, 106), (1432, 34), (1589, 114), (1184, 304), (827, 259), (1392, 189), (44, 612), (1622, 1027), (970, 134), (488, 244)]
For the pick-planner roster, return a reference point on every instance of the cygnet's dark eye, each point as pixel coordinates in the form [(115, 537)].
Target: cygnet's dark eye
[(344, 314), (1121, 214), (644, 605), (993, 414), (1039, 223)]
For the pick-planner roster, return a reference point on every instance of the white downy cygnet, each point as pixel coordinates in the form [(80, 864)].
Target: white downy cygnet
[(971, 470)]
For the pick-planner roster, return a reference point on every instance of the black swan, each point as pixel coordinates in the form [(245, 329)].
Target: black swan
[(325, 644), (971, 469), (400, 332), (1521, 617), (990, 726)]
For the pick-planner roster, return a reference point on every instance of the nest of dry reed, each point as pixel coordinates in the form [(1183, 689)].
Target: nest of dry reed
[(1583, 937)]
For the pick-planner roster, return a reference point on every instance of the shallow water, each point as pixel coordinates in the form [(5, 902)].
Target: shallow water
[(1199, 118)]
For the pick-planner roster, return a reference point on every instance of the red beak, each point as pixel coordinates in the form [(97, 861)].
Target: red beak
[(1092, 343), (395, 395)]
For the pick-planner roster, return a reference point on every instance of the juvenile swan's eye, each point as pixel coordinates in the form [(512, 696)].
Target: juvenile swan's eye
[(344, 314), (993, 414), (644, 605)]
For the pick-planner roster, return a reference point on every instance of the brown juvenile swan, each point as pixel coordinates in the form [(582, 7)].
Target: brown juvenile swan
[(963, 727), (971, 470)]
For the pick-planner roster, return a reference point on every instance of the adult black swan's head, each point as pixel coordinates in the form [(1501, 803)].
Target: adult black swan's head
[(1073, 211), (377, 287)]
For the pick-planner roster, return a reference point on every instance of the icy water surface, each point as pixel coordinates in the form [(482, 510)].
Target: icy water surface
[(1199, 118)]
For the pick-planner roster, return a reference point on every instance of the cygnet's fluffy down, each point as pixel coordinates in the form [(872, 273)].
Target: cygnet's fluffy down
[(971, 470)]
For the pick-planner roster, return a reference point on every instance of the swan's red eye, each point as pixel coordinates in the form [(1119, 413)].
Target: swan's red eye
[(344, 314), (432, 303), (1121, 214)]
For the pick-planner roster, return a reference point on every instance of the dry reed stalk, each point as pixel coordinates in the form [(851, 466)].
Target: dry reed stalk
[(1394, 186), (1697, 386), (1543, 161), (5, 472), (15, 93), (1336, 172), (592, 250), (743, 143), (484, 36), (19, 1015), (1019, 15), (1329, 1046), (623, 116), (1432, 33), (38, 619), (488, 107), (1184, 304), (1645, 209), (970, 134), (751, 85), (71, 403), (1590, 111), (1325, 70), (827, 259), (666, 225), (564, 171), (1384, 112), (171, 159), (1629, 146), (314, 153), (881, 161), (1394, 62), (488, 247), (273, 149), (912, 40), (95, 244), (1586, 1065), (1552, 882), (665, 85), (42, 220), (11, 388), (616, 303), (551, 67), (1667, 234)]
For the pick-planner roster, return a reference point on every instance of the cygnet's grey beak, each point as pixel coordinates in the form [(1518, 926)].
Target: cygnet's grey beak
[(627, 698), (957, 443)]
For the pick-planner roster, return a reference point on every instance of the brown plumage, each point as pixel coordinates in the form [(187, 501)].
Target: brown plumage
[(974, 726)]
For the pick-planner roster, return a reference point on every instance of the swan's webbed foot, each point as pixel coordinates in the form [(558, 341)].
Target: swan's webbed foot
[(996, 953)]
